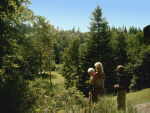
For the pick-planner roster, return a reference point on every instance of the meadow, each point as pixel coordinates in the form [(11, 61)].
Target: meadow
[(57, 99)]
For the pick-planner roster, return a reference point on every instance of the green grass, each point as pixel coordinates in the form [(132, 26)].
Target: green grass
[(139, 97), (58, 78), (57, 99), (58, 81)]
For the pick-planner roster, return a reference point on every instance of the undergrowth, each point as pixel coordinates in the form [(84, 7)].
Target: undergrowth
[(55, 99)]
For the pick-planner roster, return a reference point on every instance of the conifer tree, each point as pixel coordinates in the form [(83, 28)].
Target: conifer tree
[(71, 66), (121, 49), (98, 48), (98, 45)]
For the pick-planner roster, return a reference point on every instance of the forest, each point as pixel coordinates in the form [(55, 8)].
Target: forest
[(33, 51)]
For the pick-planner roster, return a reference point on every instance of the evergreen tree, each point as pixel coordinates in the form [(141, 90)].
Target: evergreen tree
[(98, 48), (72, 64), (121, 50), (98, 45), (147, 34), (43, 41), (13, 87)]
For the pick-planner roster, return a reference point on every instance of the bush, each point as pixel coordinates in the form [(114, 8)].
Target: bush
[(15, 95)]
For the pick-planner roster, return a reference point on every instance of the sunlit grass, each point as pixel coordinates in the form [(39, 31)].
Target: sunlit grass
[(139, 97), (58, 80)]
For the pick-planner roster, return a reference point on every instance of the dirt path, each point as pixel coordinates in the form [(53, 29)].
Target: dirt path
[(143, 108)]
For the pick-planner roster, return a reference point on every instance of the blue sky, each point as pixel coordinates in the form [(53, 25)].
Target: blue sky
[(67, 14)]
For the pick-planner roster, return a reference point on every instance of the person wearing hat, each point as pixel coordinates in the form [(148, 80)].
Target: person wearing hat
[(121, 85)]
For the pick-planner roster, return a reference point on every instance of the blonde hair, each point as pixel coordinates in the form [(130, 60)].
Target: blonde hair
[(100, 65), (91, 70)]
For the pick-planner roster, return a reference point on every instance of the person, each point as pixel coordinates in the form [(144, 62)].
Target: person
[(99, 82), (92, 74), (96, 82), (121, 85)]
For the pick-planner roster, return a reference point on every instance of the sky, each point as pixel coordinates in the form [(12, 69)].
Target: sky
[(66, 14)]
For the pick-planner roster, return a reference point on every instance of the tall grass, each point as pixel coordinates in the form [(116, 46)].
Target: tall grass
[(56, 99)]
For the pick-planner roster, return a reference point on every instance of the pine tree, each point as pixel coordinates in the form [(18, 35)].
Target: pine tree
[(14, 91), (98, 45), (121, 49), (98, 48), (71, 66)]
